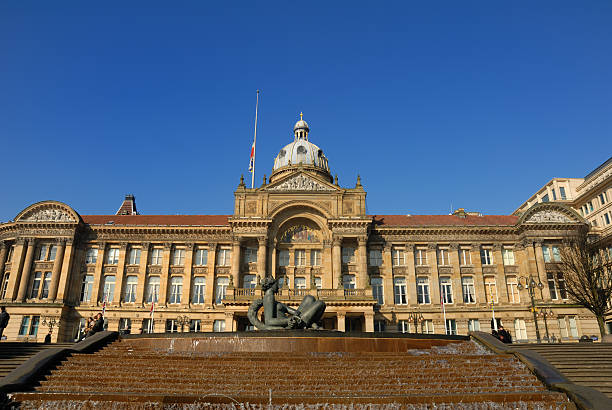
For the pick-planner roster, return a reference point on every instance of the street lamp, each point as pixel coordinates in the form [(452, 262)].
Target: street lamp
[(416, 318), (182, 321), (546, 313), (531, 285), (50, 322)]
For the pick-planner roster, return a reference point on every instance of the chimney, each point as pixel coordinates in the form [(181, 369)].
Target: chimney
[(128, 207)]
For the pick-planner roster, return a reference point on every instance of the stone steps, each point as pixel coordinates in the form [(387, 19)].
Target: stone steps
[(14, 354)]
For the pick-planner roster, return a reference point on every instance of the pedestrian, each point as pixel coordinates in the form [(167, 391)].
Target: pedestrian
[(504, 335), (4, 319), (48, 338)]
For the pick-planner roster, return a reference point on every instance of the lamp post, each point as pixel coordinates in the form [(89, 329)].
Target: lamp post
[(50, 322), (546, 313), (531, 285), (182, 321), (416, 318)]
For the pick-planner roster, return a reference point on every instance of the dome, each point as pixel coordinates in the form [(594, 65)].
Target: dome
[(301, 124), (301, 151)]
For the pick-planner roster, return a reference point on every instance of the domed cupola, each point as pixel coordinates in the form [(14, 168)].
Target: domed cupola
[(301, 153)]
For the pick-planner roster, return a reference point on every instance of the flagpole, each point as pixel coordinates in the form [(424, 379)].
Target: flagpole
[(443, 309), (254, 142)]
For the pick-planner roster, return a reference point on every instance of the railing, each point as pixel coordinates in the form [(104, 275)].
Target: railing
[(298, 294)]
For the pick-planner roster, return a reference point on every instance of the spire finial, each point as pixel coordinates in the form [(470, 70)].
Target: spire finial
[(301, 115)]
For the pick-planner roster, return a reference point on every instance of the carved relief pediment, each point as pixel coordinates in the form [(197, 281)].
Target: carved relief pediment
[(300, 182), (49, 215), (549, 216)]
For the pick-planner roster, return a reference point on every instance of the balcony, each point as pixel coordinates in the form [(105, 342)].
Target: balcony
[(288, 295)]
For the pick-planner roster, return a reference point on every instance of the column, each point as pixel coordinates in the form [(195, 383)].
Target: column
[(411, 275), (57, 266), (434, 283), (97, 283), (235, 263), (369, 322), (229, 322), (327, 276), (117, 295), (25, 273), (362, 267), (261, 256), (540, 271), (3, 253), (481, 296), (272, 250), (165, 270), (502, 289), (337, 264), (522, 253), (453, 253), (387, 275), (142, 273), (209, 298), (16, 266), (64, 277), (341, 321), (185, 297)]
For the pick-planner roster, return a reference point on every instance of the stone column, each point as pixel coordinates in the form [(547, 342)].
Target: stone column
[(502, 289), (540, 272), (185, 297), (481, 296), (326, 265), (273, 258), (66, 271), (337, 263), (142, 273), (387, 275), (261, 256), (25, 273), (235, 263), (341, 324), (118, 294), (229, 322), (453, 254), (434, 283), (209, 299), (97, 283), (3, 253), (165, 274), (369, 322), (16, 267), (410, 275), (57, 266), (362, 260)]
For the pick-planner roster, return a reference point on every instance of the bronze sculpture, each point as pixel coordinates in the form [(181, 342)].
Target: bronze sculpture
[(278, 316)]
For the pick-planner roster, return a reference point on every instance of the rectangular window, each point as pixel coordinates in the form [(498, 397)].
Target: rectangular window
[(300, 257), (423, 290), (513, 290), (545, 198), (508, 255), (348, 281), (131, 284), (377, 289), (469, 293), (561, 285), (446, 290), (41, 252), (36, 285), (427, 327), (451, 327), (249, 281), (490, 289), (556, 254), (466, 257), (109, 288), (153, 289), (318, 282), (399, 287), (221, 289), (403, 326), (134, 256), (420, 257), (148, 326), (91, 255), (552, 286), (283, 258), (199, 290), (607, 218), (46, 284), (112, 257), (375, 257), (590, 205), (157, 256), (201, 257), (171, 326), (250, 255), (25, 326), (602, 198), (348, 255), (300, 282), (195, 325), (486, 256), (86, 287), (52, 253), (178, 257), (546, 252), (5, 285), (443, 257), (379, 325), (473, 325), (398, 257), (223, 257), (554, 194), (176, 289), (315, 257), (219, 325), (562, 192), (520, 330)]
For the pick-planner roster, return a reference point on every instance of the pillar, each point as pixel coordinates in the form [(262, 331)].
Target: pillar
[(341, 325), (235, 263), (229, 322), (164, 277), (142, 273), (117, 295), (434, 283), (97, 283), (25, 273), (481, 296), (453, 254), (261, 256), (273, 256), (16, 266), (369, 322), (540, 271), (502, 288), (387, 275), (337, 265), (209, 298), (410, 275), (3, 253), (326, 265), (362, 263), (188, 267), (57, 266)]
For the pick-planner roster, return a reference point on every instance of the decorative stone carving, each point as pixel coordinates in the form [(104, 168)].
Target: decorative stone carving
[(110, 269), (132, 269), (422, 270), (466, 269), (222, 270), (347, 207), (300, 183), (155, 269), (489, 270), (91, 268), (177, 269), (432, 247), (511, 269), (200, 269), (399, 270), (549, 216), (445, 270), (251, 207), (43, 265), (300, 271), (49, 215)]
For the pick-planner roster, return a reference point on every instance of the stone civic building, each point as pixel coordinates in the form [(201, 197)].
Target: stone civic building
[(375, 272)]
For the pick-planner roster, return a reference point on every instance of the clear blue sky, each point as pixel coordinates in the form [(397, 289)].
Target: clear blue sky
[(477, 104)]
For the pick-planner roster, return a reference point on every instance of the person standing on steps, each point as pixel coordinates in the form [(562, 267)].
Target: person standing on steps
[(4, 319)]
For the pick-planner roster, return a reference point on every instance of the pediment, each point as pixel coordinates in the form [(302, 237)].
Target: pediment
[(549, 216), (301, 182), (551, 213), (48, 211)]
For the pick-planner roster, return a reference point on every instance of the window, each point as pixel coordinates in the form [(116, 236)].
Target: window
[(153, 289), (420, 257), (399, 288), (451, 327), (176, 289), (134, 256), (199, 290), (178, 257), (554, 194), (300, 282), (590, 205), (29, 326), (300, 257), (563, 327), (109, 288), (508, 255), (446, 289), (520, 330), (318, 282), (5, 285), (473, 325), (86, 287), (562, 192), (427, 326), (348, 281), (573, 327), (348, 255), (25, 326), (469, 293), (283, 258), (486, 256), (556, 254), (221, 288), (375, 257), (171, 326), (377, 289), (201, 257), (315, 257), (125, 325), (423, 290), (250, 255), (41, 252), (603, 198), (283, 281), (130, 289), (379, 325), (556, 285), (443, 257), (112, 257), (91, 255), (545, 198), (398, 257), (46, 284), (36, 285), (490, 289), (403, 326), (466, 257), (606, 218), (513, 290), (52, 253), (223, 257), (249, 281), (219, 325), (148, 326), (195, 325), (156, 256), (551, 253)]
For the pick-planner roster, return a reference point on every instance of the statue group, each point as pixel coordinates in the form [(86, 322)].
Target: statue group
[(277, 315)]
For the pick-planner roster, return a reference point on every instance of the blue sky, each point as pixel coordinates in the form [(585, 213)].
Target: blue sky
[(474, 104)]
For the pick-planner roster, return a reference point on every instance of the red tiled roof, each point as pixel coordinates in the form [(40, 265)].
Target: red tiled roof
[(167, 220), (444, 220)]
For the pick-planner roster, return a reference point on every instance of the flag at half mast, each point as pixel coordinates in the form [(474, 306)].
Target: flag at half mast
[(252, 159)]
